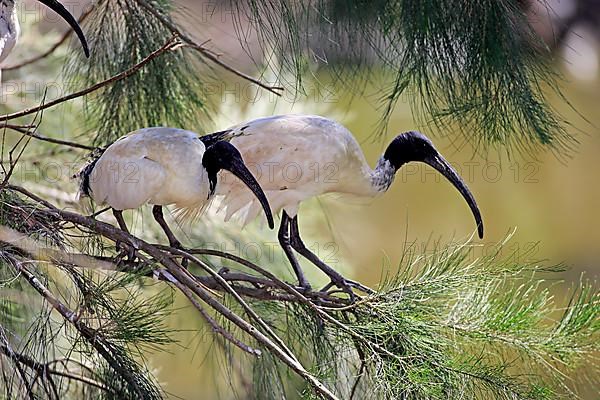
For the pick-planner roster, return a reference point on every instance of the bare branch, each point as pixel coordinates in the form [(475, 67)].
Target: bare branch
[(176, 273), (183, 276), (118, 235), (25, 130), (213, 323), (44, 369)]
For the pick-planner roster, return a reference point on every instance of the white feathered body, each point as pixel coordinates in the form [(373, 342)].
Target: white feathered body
[(294, 157), (161, 166)]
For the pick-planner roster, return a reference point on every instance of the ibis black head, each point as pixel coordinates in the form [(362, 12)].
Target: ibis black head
[(223, 155), (414, 146), (55, 6)]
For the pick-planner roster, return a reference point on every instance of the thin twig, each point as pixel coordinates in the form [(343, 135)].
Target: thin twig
[(213, 323), (206, 53), (13, 163), (43, 369), (361, 371), (24, 129), (170, 45), (15, 358), (90, 335)]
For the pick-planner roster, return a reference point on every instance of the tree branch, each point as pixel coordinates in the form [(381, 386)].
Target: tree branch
[(90, 335), (185, 278), (213, 323), (24, 129), (218, 282), (44, 369), (176, 273)]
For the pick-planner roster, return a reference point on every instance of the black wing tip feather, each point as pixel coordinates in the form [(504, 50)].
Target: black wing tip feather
[(84, 176), (215, 137)]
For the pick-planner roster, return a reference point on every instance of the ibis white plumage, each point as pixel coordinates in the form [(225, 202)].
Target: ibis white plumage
[(163, 166), (302, 156), (10, 28)]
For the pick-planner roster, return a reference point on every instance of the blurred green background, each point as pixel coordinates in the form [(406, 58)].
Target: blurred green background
[(552, 204)]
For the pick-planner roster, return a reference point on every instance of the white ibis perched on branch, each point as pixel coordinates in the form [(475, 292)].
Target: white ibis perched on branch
[(288, 150), (10, 29), (163, 166)]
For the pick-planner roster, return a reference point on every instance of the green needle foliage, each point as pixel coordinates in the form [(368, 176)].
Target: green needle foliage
[(471, 66), (119, 318), (447, 326), (122, 325), (167, 92)]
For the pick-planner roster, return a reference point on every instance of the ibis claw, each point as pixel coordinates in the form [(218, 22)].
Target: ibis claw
[(306, 287), (346, 286), (124, 251), (177, 245)]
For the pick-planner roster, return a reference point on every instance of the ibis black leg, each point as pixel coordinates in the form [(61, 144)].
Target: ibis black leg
[(336, 277), (173, 242), (123, 248), (158, 216), (119, 217), (284, 241)]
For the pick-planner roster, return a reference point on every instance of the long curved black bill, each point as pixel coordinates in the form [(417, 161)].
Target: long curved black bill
[(443, 167), (55, 6), (239, 169)]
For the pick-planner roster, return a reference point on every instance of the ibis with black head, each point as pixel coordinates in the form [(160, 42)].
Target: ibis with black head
[(164, 166), (309, 142)]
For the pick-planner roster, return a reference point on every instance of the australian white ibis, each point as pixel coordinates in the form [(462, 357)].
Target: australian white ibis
[(10, 29), (163, 166), (302, 156)]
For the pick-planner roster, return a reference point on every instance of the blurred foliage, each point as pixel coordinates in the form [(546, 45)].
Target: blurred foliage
[(472, 67)]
